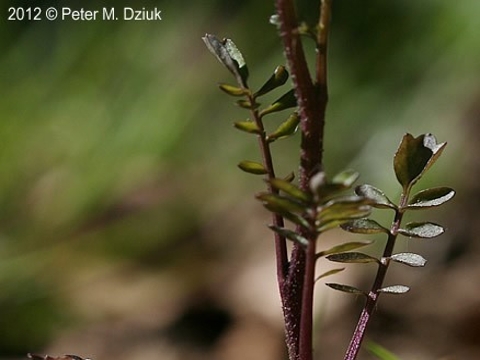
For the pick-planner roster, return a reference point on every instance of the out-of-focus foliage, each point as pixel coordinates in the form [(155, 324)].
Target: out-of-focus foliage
[(116, 148)]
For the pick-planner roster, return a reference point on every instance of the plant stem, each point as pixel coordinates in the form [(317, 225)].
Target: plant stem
[(322, 41), (305, 346), (281, 254), (373, 295), (312, 102)]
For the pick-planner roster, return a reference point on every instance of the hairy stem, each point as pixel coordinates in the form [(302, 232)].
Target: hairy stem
[(312, 102), (305, 346), (373, 295)]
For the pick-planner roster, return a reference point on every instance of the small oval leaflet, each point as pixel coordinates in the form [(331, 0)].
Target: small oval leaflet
[(290, 235), (247, 126), (364, 226), (424, 230), (344, 247), (278, 78), (346, 288), (290, 189), (409, 259), (345, 207), (431, 197), (329, 273), (281, 204), (394, 289), (379, 199), (285, 129), (286, 101), (252, 167), (415, 156), (232, 90), (352, 257)]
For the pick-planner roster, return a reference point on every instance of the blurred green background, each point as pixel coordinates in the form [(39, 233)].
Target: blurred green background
[(121, 208)]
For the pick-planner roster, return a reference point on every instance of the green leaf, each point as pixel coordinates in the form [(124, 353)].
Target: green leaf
[(278, 78), (376, 196), (394, 289), (364, 226), (252, 167), (290, 235), (286, 101), (424, 230), (296, 219), (329, 273), (282, 204), (325, 189), (414, 156), (346, 178), (247, 126), (346, 288), (379, 351), (431, 198), (286, 129), (247, 104), (232, 90), (409, 259), (352, 257), (228, 54), (331, 224), (290, 189), (344, 247), (341, 218), (345, 207)]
